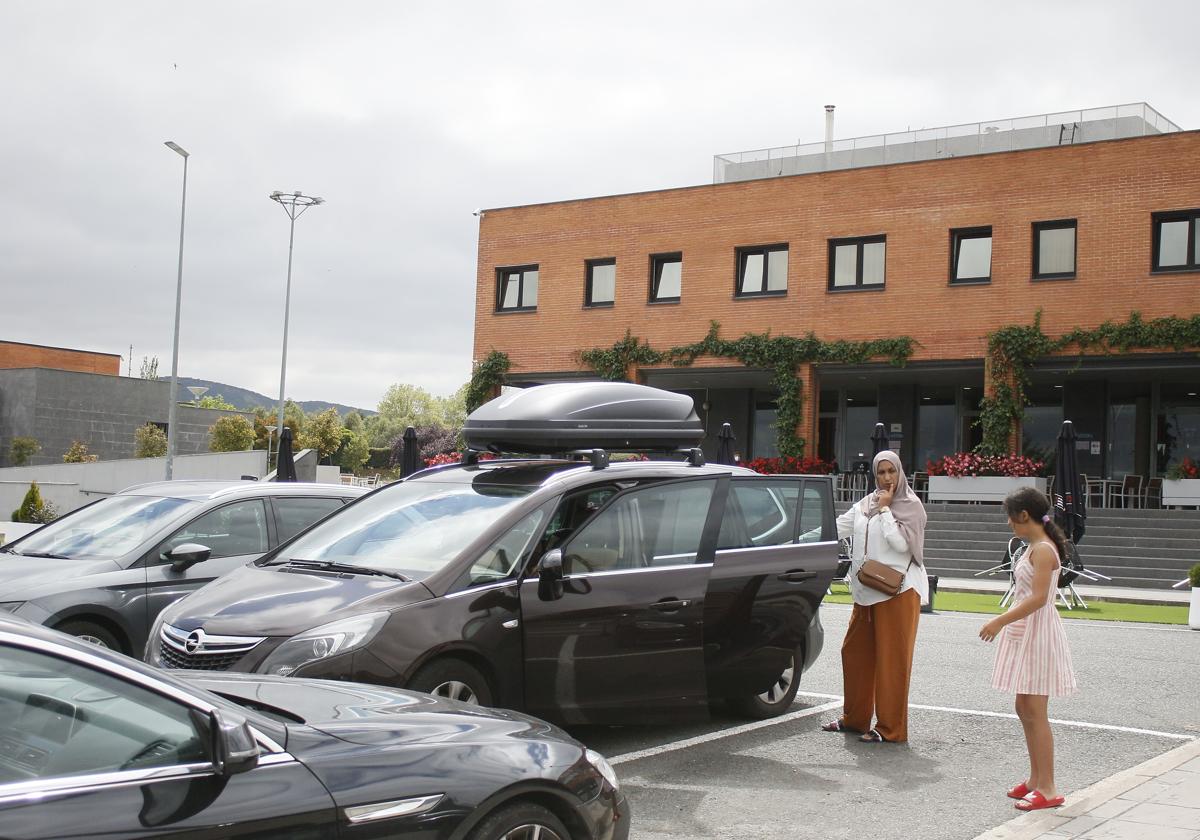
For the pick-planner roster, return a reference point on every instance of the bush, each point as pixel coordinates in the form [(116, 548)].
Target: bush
[(353, 452), (22, 449), (380, 457), (149, 441), (791, 466), (78, 453), (33, 509), (231, 434), (973, 464), (323, 433), (1194, 576), (432, 440), (1187, 468)]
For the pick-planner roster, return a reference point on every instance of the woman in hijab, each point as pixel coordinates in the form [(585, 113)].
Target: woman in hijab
[(887, 525)]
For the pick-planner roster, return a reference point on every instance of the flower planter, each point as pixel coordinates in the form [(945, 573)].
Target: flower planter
[(979, 488), (1181, 492), (1194, 610)]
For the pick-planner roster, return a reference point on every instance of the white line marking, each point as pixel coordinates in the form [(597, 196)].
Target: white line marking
[(723, 733)]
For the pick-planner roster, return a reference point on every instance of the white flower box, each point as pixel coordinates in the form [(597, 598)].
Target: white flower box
[(1181, 491), (979, 488)]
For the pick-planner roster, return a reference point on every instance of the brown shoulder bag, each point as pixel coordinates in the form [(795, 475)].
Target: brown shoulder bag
[(879, 576)]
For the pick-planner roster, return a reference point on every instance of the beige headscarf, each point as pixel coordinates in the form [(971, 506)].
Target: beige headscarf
[(906, 507)]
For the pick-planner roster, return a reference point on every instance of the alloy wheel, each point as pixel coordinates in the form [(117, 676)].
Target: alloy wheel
[(531, 831), (92, 640), (781, 686), (460, 691)]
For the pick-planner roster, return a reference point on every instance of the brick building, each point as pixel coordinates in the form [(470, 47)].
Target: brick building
[(943, 236), (15, 354)]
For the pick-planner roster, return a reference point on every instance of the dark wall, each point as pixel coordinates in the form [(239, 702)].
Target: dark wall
[(1085, 405), (898, 404)]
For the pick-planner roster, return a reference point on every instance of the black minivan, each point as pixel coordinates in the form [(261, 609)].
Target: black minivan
[(581, 592)]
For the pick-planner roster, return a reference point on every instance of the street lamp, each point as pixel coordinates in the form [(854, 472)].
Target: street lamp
[(171, 411), (294, 204)]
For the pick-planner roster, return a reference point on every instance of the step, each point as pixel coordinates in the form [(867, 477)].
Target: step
[(1108, 548)]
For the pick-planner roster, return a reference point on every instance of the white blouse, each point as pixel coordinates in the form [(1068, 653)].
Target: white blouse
[(883, 542)]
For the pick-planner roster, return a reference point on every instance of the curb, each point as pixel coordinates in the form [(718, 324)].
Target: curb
[(1033, 825)]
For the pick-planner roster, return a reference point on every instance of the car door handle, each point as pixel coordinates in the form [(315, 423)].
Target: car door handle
[(797, 576), (670, 604)]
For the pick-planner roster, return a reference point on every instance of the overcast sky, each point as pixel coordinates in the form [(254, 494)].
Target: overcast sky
[(407, 116)]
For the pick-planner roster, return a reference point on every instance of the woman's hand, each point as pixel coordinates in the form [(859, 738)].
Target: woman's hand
[(884, 495), (992, 629)]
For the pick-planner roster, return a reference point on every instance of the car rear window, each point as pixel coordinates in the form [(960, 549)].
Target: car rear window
[(294, 515), (759, 512)]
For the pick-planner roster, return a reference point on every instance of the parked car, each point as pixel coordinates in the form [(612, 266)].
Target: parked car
[(581, 592), (93, 743), (104, 572)]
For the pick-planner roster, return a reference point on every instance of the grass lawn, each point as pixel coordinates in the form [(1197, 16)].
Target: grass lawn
[(973, 602)]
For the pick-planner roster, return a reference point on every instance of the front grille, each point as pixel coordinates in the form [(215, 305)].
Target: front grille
[(200, 651)]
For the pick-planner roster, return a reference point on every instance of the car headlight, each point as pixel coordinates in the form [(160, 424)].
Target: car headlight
[(154, 641), (322, 642), (602, 767), (11, 606)]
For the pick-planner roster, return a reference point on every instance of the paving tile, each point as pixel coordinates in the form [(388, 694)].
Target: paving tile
[(1078, 826), (1173, 816), (1122, 830), (1111, 808), (1146, 791), (1185, 793), (1192, 766)]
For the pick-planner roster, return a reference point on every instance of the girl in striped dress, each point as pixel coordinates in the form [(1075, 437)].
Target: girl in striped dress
[(1033, 660)]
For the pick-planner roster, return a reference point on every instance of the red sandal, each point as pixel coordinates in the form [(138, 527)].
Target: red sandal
[(1020, 791), (1036, 801)]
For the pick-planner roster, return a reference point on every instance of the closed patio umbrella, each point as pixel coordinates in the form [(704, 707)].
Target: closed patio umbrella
[(725, 441), (410, 457), (1070, 508), (285, 467), (879, 440)]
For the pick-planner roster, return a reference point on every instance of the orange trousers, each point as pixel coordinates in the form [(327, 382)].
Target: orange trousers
[(877, 656)]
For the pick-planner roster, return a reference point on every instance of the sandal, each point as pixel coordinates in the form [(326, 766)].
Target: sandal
[(1020, 791), (872, 736), (836, 726), (1036, 801)]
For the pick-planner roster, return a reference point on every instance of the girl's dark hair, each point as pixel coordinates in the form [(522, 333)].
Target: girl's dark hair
[(1034, 502)]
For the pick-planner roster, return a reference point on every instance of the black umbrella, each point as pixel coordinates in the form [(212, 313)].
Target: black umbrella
[(285, 466), (1070, 499), (410, 455), (725, 440), (879, 439)]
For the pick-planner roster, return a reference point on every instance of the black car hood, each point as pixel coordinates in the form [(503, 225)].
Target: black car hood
[(20, 572), (278, 601), (368, 714)]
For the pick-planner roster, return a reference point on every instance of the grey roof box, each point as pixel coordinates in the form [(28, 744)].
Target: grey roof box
[(568, 416)]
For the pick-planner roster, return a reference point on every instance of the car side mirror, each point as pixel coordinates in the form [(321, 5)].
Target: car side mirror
[(187, 554), (235, 749), (550, 575)]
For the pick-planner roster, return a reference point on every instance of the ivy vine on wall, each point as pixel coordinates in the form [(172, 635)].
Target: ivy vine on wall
[(487, 376), (780, 354)]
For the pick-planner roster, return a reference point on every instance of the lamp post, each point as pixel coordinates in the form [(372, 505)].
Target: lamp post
[(294, 204), (171, 409)]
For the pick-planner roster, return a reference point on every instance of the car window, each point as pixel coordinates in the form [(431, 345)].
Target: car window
[(294, 515), (506, 555), (238, 528), (812, 513), (759, 512), (659, 525), (60, 718), (109, 528)]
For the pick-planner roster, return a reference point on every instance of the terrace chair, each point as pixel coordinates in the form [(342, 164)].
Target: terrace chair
[(1093, 488), (1129, 492), (1153, 489), (920, 485)]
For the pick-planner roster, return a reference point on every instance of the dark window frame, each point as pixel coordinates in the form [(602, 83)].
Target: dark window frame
[(739, 266), (502, 274), (1156, 221), (1055, 224), (657, 261), (860, 241), (957, 235), (589, 266)]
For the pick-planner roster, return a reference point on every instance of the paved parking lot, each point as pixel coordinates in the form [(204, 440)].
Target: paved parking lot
[(786, 779)]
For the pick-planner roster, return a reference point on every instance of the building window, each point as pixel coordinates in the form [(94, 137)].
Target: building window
[(601, 289), (971, 255), (857, 263), (762, 271), (516, 289), (666, 277), (1176, 246), (1054, 249)]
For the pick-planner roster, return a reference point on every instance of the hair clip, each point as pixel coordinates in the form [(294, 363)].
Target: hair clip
[(1046, 519)]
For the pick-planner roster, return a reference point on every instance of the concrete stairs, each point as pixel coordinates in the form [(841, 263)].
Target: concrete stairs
[(1137, 548)]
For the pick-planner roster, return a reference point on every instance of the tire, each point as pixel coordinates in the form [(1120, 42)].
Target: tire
[(453, 679), (779, 697), (522, 821), (87, 631)]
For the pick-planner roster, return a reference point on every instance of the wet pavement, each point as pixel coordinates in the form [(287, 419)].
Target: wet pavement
[(786, 779)]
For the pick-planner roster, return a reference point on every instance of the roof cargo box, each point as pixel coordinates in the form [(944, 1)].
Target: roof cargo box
[(568, 416)]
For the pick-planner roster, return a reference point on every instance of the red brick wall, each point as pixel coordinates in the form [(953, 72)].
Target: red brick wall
[(1111, 188), (14, 355)]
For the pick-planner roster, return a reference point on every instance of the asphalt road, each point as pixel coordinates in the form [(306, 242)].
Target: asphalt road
[(787, 779)]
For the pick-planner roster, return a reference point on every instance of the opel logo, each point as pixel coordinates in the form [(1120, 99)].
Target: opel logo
[(194, 642)]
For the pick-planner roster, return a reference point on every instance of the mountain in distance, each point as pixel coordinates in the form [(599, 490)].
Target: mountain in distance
[(245, 399)]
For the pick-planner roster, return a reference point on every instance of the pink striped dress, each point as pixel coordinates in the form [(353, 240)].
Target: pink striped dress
[(1032, 656)]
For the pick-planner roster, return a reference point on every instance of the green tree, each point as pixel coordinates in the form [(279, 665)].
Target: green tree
[(354, 450), (233, 433), (22, 449), (410, 405), (322, 432), (149, 367), (149, 441), (216, 401), (33, 508), (354, 422), (265, 419), (77, 453)]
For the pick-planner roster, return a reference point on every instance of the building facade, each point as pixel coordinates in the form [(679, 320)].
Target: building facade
[(945, 251), (15, 354)]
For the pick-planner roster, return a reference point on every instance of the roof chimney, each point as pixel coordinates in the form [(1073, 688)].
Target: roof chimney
[(829, 128)]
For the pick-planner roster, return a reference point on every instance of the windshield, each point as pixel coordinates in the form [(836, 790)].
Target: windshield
[(415, 527), (109, 528)]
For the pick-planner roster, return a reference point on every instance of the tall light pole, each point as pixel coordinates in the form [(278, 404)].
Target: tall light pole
[(171, 410), (294, 204)]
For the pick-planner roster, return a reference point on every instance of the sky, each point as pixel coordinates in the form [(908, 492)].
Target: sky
[(406, 117)]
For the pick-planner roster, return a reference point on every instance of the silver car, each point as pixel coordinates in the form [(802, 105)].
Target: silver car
[(103, 572)]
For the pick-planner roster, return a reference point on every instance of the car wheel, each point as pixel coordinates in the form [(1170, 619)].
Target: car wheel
[(453, 679), (778, 698), (91, 633), (523, 821)]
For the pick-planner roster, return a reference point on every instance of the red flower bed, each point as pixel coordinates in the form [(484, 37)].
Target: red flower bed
[(791, 466), (971, 464), (1187, 468), (453, 458)]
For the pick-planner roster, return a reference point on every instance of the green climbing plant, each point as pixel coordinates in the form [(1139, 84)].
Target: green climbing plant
[(485, 378)]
